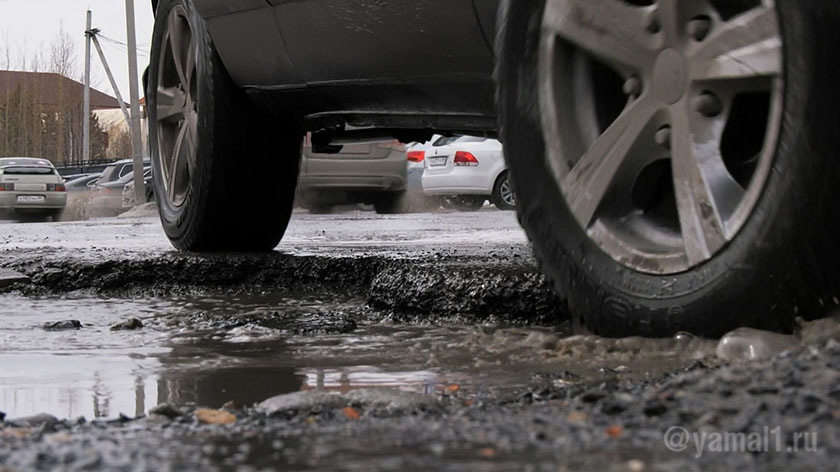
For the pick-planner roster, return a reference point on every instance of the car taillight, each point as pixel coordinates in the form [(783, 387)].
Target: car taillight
[(56, 188), (7, 187), (465, 159), (416, 156)]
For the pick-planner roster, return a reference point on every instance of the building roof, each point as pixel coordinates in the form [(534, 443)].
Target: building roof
[(51, 87)]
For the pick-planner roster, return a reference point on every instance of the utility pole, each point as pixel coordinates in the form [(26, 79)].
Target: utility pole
[(86, 119), (134, 96)]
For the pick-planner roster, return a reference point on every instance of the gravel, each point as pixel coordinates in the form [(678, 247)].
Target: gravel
[(788, 404)]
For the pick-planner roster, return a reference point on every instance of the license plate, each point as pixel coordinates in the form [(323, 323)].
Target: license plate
[(30, 199), (437, 161)]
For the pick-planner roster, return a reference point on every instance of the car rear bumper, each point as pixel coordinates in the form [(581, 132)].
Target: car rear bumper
[(458, 181), (353, 183), (51, 201)]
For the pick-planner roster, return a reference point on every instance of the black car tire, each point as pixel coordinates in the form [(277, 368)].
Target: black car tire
[(150, 192), (784, 262), (498, 199), (464, 202), (391, 204), (245, 163)]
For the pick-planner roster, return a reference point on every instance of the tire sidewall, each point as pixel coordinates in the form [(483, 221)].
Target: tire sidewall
[(612, 299), (179, 221), (500, 202)]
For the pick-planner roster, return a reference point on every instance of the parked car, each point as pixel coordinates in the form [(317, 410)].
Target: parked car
[(417, 199), (469, 170), (31, 187), (84, 183), (68, 178), (110, 194), (120, 169), (675, 162), (372, 173), (129, 199)]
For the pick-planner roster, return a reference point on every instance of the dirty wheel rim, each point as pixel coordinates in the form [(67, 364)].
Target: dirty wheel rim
[(506, 192), (661, 120), (177, 106)]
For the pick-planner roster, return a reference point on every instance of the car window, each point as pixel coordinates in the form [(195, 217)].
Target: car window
[(24, 161), (107, 173), (128, 168), (28, 170), (447, 140)]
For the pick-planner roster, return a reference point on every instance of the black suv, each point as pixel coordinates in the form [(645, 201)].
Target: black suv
[(675, 161)]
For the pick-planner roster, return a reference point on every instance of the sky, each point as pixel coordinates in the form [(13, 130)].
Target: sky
[(29, 26)]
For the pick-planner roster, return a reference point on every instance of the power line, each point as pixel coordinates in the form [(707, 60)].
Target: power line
[(122, 44)]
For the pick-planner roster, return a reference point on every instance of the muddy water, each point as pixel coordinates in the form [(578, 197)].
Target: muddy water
[(211, 350)]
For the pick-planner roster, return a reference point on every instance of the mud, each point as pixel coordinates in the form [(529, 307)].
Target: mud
[(464, 281)]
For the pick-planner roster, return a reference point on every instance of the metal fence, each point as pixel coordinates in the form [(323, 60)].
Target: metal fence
[(85, 167)]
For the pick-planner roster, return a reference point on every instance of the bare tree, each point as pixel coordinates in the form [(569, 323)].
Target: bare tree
[(29, 128), (63, 58)]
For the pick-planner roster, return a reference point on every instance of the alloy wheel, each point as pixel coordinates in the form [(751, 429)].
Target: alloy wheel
[(661, 120), (506, 192), (177, 106)]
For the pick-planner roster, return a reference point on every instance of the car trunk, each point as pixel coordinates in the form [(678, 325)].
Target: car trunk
[(30, 179), (354, 159), (440, 160)]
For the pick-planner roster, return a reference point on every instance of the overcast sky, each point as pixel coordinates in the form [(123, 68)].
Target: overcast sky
[(29, 26)]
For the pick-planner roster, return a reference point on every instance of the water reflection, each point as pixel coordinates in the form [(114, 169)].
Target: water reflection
[(211, 351)]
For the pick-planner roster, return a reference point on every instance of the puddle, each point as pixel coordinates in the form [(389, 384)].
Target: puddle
[(211, 350)]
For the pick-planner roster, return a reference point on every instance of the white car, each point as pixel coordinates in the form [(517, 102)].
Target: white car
[(30, 186), (468, 170)]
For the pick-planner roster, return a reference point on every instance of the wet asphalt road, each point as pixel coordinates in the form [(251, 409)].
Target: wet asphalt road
[(439, 343)]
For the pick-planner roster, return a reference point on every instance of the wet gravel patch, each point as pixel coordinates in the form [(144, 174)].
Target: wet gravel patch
[(557, 425)]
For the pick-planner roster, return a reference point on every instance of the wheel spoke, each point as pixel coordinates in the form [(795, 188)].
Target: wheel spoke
[(749, 45), (594, 174), (176, 164), (705, 191), (610, 30), (180, 43), (170, 104)]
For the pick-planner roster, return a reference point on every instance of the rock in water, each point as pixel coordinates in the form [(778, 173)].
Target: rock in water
[(392, 400), (127, 325), (167, 410), (35, 421), (302, 402), (817, 331), (63, 325), (747, 344)]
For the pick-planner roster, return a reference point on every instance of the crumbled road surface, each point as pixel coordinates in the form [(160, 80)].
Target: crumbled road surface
[(416, 342)]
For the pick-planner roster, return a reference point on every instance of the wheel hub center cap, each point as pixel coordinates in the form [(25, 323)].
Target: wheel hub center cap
[(669, 76)]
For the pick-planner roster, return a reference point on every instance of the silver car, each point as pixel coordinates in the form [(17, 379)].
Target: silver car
[(30, 186), (373, 173)]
